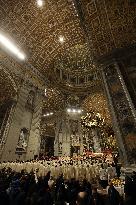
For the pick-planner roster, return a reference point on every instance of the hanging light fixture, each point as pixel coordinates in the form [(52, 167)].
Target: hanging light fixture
[(40, 3), (61, 39)]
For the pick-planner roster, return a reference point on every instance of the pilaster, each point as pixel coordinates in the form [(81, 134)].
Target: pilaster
[(122, 109), (35, 138), (23, 126)]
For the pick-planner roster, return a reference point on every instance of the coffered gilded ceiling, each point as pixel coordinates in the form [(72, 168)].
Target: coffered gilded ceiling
[(75, 68), (68, 65), (109, 24), (7, 90), (37, 30)]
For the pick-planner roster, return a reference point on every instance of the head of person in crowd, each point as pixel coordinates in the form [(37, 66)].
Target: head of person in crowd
[(82, 199)]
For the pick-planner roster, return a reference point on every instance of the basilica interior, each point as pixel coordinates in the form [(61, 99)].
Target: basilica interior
[(67, 79), (67, 102)]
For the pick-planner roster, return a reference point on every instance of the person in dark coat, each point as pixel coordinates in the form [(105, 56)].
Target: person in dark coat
[(96, 197), (4, 198), (61, 195), (130, 190), (45, 197), (113, 195), (82, 199)]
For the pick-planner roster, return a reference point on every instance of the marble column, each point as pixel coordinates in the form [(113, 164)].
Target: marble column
[(35, 135), (80, 134), (67, 126), (62, 136), (6, 125)]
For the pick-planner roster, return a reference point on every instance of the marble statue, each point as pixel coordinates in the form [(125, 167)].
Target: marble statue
[(22, 142)]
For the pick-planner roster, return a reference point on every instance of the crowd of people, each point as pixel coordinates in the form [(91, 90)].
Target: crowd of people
[(62, 182), (78, 168)]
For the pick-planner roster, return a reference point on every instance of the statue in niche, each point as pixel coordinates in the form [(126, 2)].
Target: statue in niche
[(22, 142), (30, 99), (60, 147)]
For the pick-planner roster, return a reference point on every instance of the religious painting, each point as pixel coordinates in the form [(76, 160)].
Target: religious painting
[(22, 141)]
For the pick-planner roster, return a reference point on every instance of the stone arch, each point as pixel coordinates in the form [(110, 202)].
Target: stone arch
[(8, 94), (9, 76), (8, 87)]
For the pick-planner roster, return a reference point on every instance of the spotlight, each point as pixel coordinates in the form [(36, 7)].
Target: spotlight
[(4, 41), (40, 3), (45, 91), (74, 110), (68, 110), (79, 111), (48, 114), (61, 39)]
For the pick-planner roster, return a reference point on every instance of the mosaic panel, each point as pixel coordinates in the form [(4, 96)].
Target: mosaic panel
[(122, 109), (97, 103)]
